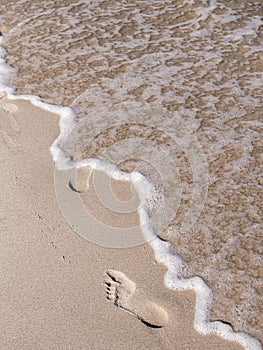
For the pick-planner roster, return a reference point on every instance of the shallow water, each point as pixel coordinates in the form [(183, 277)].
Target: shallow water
[(201, 61)]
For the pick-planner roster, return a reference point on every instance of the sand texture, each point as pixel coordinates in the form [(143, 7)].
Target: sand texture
[(202, 59), (52, 291)]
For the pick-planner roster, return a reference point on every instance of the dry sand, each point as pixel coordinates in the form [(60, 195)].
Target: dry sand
[(52, 292)]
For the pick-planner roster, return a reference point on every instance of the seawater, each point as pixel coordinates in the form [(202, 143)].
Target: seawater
[(199, 63)]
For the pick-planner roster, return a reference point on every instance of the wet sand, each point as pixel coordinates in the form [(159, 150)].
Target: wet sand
[(52, 291), (200, 59)]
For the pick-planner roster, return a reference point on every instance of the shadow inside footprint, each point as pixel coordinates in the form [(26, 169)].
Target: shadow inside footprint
[(124, 293)]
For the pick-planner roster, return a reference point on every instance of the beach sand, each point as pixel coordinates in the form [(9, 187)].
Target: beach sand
[(52, 292)]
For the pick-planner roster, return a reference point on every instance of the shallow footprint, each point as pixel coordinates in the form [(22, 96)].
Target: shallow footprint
[(7, 106), (82, 180), (124, 293)]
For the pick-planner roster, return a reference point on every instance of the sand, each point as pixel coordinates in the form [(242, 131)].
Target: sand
[(201, 59), (52, 291)]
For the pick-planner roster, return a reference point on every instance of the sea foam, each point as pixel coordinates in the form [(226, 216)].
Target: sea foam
[(161, 248)]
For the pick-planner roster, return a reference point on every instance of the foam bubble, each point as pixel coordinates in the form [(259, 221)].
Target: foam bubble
[(161, 249)]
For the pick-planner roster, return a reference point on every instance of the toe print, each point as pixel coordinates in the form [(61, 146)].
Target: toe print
[(123, 293)]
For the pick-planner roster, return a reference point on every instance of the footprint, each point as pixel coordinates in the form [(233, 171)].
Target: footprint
[(7, 106), (82, 180), (124, 293), (9, 130), (83, 177)]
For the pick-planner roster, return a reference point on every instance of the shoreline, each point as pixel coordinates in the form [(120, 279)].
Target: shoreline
[(200, 64), (24, 108)]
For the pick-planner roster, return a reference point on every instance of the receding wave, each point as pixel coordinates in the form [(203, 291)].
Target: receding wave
[(199, 60)]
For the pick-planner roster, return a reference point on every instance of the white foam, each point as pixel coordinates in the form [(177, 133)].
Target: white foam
[(161, 248)]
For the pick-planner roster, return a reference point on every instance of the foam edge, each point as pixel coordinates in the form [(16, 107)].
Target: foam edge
[(161, 249)]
